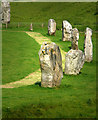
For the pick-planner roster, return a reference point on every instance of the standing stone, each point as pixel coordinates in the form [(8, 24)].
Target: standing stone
[(5, 13), (31, 27), (75, 38), (88, 46), (51, 27), (66, 31), (51, 65), (74, 61)]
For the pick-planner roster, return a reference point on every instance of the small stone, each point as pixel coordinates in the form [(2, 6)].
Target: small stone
[(51, 65), (31, 27), (88, 46), (74, 61), (66, 31), (51, 27), (75, 38)]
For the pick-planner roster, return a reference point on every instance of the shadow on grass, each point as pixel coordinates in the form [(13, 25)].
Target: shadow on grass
[(38, 83), (69, 47)]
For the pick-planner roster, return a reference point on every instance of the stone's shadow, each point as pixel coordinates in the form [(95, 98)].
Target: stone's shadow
[(38, 83), (80, 72), (69, 47)]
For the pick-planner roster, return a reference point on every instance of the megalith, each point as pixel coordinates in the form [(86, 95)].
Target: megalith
[(66, 31), (88, 46), (75, 58), (5, 11), (51, 65), (75, 38), (51, 27), (74, 61)]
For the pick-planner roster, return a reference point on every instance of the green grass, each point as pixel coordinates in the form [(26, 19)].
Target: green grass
[(75, 98), (19, 56), (79, 14)]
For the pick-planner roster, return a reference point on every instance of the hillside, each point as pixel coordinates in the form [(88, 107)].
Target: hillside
[(76, 13)]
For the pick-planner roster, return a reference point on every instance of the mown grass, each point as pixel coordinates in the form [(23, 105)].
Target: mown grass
[(19, 56), (75, 98)]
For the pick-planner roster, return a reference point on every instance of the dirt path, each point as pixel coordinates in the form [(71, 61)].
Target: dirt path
[(28, 80), (40, 39), (35, 76)]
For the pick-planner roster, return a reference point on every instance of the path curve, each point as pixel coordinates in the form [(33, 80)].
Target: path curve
[(35, 76)]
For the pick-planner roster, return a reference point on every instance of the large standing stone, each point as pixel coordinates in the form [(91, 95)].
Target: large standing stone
[(51, 27), (66, 31), (74, 61), (5, 13), (88, 46), (51, 65), (75, 38)]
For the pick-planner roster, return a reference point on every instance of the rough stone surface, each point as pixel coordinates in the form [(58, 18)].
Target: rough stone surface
[(51, 27), (75, 38), (88, 46), (5, 13), (66, 31), (51, 65), (74, 61)]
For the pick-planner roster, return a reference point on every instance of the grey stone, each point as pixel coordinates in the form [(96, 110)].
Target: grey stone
[(66, 31), (88, 46), (51, 27), (75, 38), (51, 65), (74, 61), (5, 13)]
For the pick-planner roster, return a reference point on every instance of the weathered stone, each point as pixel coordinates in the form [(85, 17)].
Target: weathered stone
[(74, 61), (66, 31), (5, 13), (88, 46), (51, 65), (75, 38), (51, 27)]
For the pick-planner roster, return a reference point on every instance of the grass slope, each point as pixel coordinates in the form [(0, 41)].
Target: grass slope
[(75, 98), (19, 56), (79, 14)]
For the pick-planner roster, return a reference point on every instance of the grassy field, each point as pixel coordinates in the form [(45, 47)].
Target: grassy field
[(78, 14), (19, 56), (76, 96)]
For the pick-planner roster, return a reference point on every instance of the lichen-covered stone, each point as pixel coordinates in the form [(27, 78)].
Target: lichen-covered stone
[(5, 13), (74, 61), (51, 27), (75, 38), (51, 65), (66, 31), (88, 46)]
